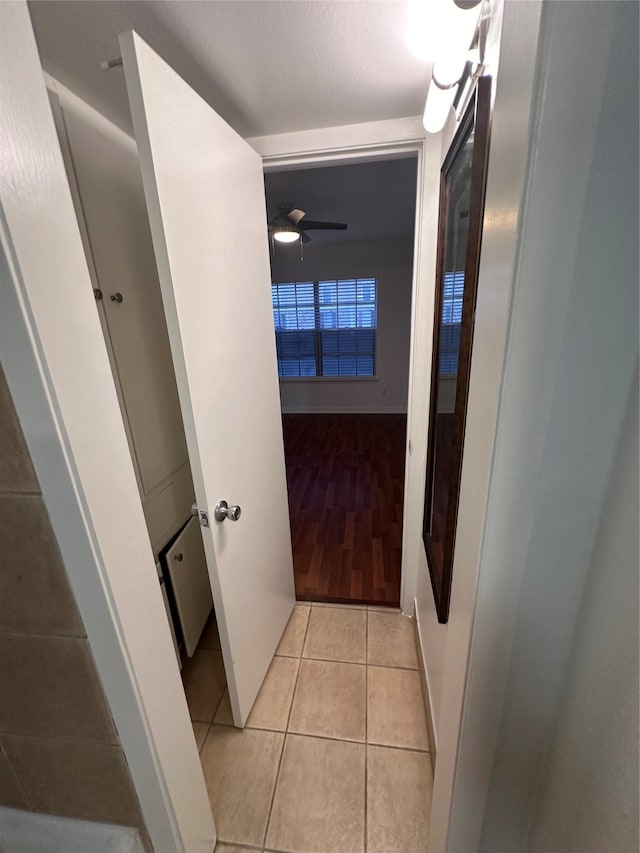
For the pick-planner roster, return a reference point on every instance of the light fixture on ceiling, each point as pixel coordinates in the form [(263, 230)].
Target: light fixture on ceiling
[(444, 31), (286, 232), (440, 98)]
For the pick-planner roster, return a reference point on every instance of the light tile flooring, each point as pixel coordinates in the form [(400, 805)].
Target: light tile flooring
[(334, 756)]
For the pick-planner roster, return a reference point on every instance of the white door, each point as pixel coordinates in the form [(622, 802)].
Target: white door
[(205, 197), (187, 567)]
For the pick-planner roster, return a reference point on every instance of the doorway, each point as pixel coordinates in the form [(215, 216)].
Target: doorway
[(342, 317)]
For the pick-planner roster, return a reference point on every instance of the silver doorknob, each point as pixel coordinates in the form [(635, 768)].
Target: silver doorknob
[(223, 510)]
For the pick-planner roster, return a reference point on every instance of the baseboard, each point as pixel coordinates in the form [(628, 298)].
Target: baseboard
[(424, 683), (344, 410)]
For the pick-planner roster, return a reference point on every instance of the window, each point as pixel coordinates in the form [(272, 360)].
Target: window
[(451, 320), (325, 328)]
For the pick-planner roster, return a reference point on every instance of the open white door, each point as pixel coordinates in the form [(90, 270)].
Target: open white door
[(205, 197)]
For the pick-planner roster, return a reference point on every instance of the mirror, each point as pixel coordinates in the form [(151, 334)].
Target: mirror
[(462, 190)]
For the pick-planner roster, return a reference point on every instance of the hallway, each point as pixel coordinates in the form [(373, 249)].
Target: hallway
[(335, 754)]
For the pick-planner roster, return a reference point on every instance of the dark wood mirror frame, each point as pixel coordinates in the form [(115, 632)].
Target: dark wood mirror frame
[(446, 431)]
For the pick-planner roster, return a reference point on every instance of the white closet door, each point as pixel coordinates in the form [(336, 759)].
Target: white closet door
[(187, 567), (205, 196)]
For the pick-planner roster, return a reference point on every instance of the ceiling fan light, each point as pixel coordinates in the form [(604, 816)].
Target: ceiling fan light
[(286, 234)]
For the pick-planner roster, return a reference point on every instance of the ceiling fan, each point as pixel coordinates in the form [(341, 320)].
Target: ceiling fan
[(289, 225)]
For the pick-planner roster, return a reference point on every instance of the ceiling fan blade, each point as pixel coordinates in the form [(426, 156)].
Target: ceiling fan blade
[(296, 215), (326, 226)]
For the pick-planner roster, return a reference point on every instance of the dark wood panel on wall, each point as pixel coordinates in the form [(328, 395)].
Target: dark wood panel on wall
[(345, 476)]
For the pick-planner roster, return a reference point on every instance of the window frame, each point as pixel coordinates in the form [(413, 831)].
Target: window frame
[(317, 330)]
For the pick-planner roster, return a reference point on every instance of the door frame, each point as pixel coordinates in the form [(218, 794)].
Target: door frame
[(57, 369), (368, 143)]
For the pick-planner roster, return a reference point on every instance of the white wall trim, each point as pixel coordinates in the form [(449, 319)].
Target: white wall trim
[(433, 734), (355, 142), (422, 318)]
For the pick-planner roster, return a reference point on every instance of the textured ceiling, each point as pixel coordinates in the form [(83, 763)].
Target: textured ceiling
[(376, 200), (267, 66)]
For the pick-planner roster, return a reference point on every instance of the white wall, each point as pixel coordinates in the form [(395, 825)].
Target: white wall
[(568, 374), (588, 795), (391, 263), (445, 647)]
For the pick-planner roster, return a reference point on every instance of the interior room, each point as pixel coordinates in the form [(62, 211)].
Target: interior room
[(319, 436), (344, 370)]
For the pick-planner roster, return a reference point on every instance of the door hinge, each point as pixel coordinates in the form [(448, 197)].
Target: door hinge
[(203, 517)]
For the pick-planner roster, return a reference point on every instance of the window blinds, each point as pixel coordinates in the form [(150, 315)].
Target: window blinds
[(450, 322), (325, 328)]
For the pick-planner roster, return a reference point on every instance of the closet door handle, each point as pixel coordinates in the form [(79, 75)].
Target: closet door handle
[(223, 510), (116, 297)]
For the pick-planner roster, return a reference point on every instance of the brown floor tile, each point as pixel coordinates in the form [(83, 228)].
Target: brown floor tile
[(319, 802), (330, 700), (199, 732), (395, 709), (49, 687), (39, 600), (16, 468), (240, 770), (337, 633), (204, 682), (210, 638), (390, 640), (399, 785), (84, 780), (11, 793), (223, 716)]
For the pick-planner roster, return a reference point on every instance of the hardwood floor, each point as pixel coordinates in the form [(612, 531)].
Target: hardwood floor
[(345, 475)]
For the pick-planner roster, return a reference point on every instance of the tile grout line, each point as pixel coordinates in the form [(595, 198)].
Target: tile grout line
[(285, 735), (300, 658), (329, 738), (356, 663), (221, 700), (39, 635), (374, 608), (204, 739)]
